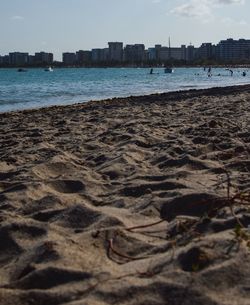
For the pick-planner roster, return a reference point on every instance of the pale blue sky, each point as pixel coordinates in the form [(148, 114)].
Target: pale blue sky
[(69, 25)]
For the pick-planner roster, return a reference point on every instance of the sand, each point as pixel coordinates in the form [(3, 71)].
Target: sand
[(139, 200)]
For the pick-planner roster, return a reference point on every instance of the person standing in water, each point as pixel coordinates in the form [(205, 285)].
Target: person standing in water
[(209, 74)]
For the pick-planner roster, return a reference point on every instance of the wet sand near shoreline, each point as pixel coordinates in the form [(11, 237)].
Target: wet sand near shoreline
[(135, 201)]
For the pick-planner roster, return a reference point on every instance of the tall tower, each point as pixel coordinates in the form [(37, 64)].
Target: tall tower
[(115, 51)]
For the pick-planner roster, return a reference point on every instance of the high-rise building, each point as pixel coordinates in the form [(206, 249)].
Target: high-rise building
[(69, 58), (177, 53), (151, 54), (99, 55), (5, 59), (18, 58), (43, 58), (183, 52), (134, 53), (168, 53), (115, 51), (205, 51), (190, 53), (234, 50), (31, 59), (157, 51), (83, 57), (163, 54)]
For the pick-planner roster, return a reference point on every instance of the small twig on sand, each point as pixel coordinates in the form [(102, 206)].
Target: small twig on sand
[(111, 247), (145, 226), (228, 185)]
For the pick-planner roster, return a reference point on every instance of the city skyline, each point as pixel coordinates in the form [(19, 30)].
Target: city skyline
[(226, 51), (58, 26)]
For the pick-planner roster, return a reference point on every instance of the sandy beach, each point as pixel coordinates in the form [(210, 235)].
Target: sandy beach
[(135, 201)]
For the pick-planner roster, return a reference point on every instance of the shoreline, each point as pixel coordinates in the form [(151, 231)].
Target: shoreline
[(164, 95), (134, 201)]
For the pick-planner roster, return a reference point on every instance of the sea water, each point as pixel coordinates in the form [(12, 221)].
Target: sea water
[(37, 88)]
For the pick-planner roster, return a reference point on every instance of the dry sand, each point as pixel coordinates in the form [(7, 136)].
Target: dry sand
[(141, 200)]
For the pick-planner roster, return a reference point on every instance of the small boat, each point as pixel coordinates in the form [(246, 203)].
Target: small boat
[(48, 69), (22, 70)]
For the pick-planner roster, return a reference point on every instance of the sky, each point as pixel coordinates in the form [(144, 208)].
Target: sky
[(70, 25)]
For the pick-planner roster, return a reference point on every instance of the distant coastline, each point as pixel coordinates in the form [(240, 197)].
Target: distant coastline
[(177, 65), (226, 52)]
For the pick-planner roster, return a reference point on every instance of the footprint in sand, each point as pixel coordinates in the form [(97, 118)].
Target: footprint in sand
[(67, 186)]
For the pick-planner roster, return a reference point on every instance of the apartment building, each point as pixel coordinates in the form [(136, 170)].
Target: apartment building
[(115, 51), (99, 55), (205, 51), (134, 53), (151, 54), (18, 58), (167, 53), (69, 58), (4, 60), (83, 57), (43, 58), (233, 50), (191, 53)]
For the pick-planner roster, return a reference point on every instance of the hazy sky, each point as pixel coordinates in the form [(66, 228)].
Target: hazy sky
[(69, 25)]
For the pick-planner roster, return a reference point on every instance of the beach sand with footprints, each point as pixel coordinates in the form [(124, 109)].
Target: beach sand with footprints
[(135, 201)]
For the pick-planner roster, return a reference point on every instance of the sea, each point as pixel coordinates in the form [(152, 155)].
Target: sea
[(63, 86)]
